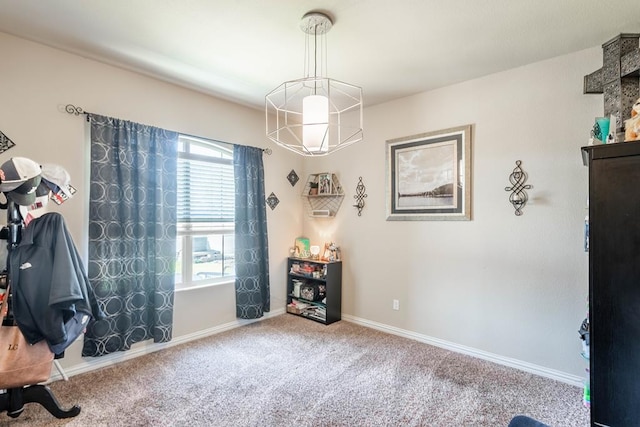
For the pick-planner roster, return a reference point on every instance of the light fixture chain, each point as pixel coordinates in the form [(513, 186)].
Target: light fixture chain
[(315, 52), (307, 56), (325, 58), (315, 59)]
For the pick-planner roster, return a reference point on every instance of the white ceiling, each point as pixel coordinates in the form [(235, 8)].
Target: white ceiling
[(241, 49)]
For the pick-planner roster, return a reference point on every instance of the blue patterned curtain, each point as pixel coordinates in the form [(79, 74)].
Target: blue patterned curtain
[(132, 233), (251, 246)]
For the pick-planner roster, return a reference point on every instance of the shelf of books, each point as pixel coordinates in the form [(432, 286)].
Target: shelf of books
[(314, 289)]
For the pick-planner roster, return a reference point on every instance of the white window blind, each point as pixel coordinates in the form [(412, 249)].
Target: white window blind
[(206, 188)]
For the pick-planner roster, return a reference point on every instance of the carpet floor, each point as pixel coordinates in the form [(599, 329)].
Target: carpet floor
[(290, 371)]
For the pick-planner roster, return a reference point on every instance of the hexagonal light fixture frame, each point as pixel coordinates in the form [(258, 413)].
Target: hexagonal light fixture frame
[(283, 105)]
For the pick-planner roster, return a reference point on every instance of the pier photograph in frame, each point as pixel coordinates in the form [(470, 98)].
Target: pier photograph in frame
[(429, 176)]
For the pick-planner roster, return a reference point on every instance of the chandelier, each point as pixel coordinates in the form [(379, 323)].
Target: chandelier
[(314, 115)]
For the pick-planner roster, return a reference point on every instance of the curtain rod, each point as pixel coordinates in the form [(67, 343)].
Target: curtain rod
[(76, 111)]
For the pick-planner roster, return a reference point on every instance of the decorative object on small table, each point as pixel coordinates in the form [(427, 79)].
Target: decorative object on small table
[(301, 248), (360, 196), (632, 125), (326, 253), (272, 201), (331, 252), (314, 251), (293, 178), (518, 196)]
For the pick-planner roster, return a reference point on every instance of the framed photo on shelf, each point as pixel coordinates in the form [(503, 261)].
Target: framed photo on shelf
[(325, 183), (301, 248), (326, 253), (330, 253), (429, 176)]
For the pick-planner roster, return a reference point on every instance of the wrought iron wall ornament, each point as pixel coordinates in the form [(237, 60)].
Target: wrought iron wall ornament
[(5, 143), (360, 196), (272, 201), (518, 196), (293, 178)]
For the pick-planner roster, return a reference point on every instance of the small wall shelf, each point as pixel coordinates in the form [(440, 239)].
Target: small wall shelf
[(323, 195)]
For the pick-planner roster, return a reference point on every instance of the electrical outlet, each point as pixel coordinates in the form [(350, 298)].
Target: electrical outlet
[(396, 304)]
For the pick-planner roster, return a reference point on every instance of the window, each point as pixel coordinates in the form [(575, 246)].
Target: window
[(206, 205)]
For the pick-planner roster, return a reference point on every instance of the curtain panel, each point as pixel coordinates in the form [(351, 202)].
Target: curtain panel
[(132, 233), (251, 243)]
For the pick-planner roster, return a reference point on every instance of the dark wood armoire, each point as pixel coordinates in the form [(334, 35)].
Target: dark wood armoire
[(614, 282)]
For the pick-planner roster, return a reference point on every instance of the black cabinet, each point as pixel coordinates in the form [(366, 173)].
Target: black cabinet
[(614, 282), (314, 289)]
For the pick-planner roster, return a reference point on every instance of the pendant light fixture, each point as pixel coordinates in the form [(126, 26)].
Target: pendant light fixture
[(314, 115)]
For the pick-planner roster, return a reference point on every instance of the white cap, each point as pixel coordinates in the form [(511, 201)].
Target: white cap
[(57, 176)]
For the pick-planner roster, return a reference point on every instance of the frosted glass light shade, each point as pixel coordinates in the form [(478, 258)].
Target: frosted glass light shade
[(315, 123)]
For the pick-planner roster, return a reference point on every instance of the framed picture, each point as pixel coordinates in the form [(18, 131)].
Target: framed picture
[(301, 248), (326, 253), (330, 253), (325, 183), (429, 176)]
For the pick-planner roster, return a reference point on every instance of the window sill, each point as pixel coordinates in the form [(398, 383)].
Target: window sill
[(190, 287)]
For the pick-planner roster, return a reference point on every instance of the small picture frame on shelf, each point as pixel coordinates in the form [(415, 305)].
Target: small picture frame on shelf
[(325, 184), (301, 248), (331, 252), (326, 253)]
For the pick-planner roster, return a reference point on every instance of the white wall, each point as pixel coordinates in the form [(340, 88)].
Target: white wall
[(36, 82), (511, 287), (514, 287)]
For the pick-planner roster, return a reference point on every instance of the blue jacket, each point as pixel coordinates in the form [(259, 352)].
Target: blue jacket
[(51, 290)]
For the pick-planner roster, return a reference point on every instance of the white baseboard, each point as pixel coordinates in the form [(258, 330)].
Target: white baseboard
[(501, 360), (92, 364)]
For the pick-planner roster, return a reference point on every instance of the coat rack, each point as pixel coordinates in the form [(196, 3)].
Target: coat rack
[(12, 400)]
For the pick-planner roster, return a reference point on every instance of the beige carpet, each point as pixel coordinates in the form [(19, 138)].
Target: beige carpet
[(289, 371)]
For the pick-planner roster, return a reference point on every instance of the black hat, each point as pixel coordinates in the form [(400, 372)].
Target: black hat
[(25, 195)]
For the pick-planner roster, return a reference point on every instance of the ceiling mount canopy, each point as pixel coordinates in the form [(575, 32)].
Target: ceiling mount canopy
[(314, 115)]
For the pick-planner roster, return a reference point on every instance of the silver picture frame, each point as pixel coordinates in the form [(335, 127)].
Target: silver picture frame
[(429, 176)]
